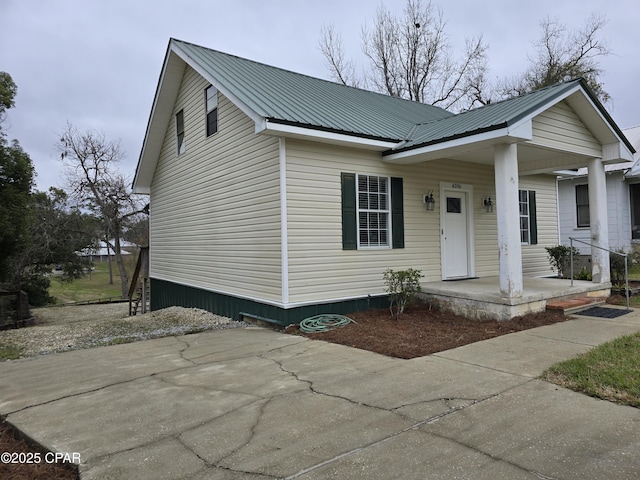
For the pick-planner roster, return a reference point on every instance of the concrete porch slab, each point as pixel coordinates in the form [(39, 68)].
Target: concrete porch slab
[(480, 298)]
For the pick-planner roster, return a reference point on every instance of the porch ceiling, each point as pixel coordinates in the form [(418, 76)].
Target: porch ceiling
[(532, 158)]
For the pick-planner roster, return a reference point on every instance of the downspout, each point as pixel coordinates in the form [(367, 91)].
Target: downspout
[(284, 230), (558, 225)]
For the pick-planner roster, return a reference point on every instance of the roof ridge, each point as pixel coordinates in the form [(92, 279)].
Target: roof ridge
[(522, 95), (500, 102)]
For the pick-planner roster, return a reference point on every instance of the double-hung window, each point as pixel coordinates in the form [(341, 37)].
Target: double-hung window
[(180, 132), (528, 220), (211, 102), (582, 205), (373, 211)]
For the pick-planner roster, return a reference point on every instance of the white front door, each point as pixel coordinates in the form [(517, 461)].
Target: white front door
[(456, 242)]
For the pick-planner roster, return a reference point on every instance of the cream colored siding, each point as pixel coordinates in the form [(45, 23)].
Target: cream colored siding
[(320, 269), (215, 210), (559, 127), (535, 262)]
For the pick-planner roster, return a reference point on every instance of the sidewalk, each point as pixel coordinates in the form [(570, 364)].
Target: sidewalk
[(256, 404)]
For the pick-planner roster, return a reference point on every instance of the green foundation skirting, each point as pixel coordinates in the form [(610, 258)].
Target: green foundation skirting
[(167, 294)]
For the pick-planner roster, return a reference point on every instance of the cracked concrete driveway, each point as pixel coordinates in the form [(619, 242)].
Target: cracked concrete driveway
[(255, 404)]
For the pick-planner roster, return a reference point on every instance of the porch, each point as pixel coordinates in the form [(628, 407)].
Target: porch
[(480, 298)]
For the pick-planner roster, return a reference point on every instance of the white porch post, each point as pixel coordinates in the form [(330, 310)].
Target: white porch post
[(599, 221), (508, 216)]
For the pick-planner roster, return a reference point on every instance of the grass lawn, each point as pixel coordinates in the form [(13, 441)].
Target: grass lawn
[(610, 371), (92, 286)]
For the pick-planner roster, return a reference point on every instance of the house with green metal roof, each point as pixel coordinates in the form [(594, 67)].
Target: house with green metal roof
[(278, 196)]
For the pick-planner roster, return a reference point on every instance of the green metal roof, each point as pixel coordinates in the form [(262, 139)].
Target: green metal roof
[(490, 117), (287, 97)]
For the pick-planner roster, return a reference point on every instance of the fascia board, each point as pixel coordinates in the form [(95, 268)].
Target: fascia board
[(616, 152), (609, 123), (222, 88), (522, 131), (142, 190), (320, 135), (158, 122)]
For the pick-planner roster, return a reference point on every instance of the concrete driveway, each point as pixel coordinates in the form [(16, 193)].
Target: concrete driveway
[(255, 404)]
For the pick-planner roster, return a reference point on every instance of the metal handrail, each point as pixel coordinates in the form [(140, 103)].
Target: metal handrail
[(626, 263)]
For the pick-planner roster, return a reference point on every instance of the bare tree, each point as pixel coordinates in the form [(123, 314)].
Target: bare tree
[(94, 181), (411, 57), (562, 55), (342, 70)]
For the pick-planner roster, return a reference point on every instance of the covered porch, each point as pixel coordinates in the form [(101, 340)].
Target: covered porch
[(539, 134), (481, 298)]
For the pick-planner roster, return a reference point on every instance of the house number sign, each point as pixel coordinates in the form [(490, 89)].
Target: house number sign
[(456, 185)]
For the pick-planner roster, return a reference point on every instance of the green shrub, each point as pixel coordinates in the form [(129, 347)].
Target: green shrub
[(560, 258), (583, 274), (402, 287), (616, 265), (37, 288)]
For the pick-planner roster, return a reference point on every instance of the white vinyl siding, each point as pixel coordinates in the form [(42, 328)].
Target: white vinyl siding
[(215, 211), (535, 261), (319, 269), (560, 128)]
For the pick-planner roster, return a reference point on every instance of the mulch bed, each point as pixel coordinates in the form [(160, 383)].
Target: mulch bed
[(422, 330), (13, 443)]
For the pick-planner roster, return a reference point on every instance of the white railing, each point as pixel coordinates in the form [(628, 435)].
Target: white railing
[(626, 263)]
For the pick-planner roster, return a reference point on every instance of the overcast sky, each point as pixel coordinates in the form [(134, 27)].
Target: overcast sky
[(96, 63)]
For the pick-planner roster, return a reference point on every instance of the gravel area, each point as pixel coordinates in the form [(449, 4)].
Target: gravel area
[(59, 329)]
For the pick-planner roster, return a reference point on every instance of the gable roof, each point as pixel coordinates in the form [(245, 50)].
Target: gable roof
[(512, 118), (489, 117), (285, 97), (288, 103)]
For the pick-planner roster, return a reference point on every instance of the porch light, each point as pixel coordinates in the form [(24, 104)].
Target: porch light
[(487, 203), (429, 201)]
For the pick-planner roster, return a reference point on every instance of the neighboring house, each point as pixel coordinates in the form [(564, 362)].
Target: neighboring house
[(276, 195), (623, 203), (102, 253)]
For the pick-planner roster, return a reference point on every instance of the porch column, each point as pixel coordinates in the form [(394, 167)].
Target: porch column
[(508, 216), (599, 221)]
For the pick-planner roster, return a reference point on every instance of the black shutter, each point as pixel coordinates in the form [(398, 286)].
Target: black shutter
[(397, 213), (533, 221), (349, 225)]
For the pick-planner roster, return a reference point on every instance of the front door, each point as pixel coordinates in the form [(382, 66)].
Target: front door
[(456, 248)]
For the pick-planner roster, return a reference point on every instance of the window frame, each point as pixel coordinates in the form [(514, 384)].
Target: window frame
[(211, 111), (386, 212), (523, 216), (181, 146), (581, 206)]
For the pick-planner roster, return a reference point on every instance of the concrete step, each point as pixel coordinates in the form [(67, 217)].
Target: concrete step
[(574, 305)]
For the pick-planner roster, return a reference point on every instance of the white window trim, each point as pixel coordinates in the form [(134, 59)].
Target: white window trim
[(528, 217), (575, 198), (181, 147), (209, 108), (387, 212)]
